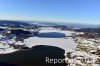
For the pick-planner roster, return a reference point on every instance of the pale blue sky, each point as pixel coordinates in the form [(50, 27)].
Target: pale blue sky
[(75, 11)]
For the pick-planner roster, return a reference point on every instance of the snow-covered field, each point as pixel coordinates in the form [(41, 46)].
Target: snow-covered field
[(85, 54), (79, 51), (49, 37), (65, 43)]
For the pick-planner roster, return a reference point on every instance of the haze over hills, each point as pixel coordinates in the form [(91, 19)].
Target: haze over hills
[(71, 25), (12, 23), (41, 23)]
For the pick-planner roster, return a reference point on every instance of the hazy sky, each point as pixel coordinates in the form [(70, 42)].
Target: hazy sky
[(75, 11)]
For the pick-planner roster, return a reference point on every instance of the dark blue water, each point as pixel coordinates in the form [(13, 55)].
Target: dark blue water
[(51, 35), (34, 56)]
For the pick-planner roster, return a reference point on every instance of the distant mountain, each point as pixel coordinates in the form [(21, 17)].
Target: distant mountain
[(70, 25), (89, 30), (13, 23), (79, 25), (45, 24)]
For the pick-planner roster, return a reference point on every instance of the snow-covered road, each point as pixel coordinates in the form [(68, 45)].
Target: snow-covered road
[(64, 43)]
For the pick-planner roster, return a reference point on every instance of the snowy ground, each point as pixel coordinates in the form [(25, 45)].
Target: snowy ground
[(86, 53), (4, 49), (46, 37), (65, 43)]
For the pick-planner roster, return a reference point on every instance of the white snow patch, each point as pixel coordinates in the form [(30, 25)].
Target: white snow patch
[(64, 43)]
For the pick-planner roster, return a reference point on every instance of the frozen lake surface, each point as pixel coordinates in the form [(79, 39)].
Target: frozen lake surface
[(53, 38)]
